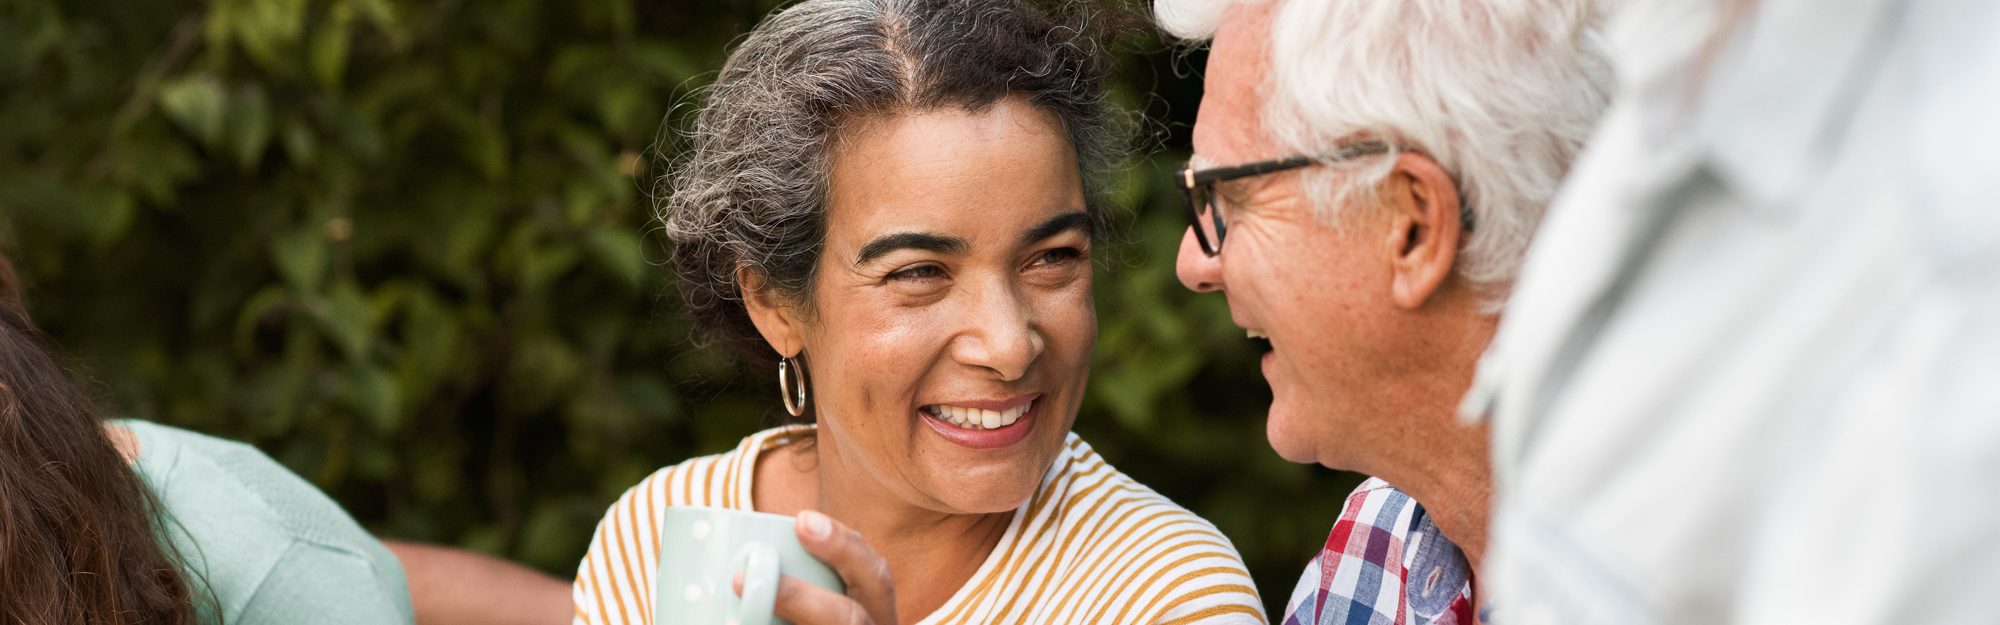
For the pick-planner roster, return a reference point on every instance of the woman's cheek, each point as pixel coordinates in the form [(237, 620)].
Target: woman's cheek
[(1072, 325)]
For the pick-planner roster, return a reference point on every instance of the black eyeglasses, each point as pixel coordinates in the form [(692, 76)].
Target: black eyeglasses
[(1205, 212)]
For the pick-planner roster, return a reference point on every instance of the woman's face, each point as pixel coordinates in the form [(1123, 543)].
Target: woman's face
[(953, 324)]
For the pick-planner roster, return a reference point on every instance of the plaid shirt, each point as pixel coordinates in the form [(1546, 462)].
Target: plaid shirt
[(1384, 564)]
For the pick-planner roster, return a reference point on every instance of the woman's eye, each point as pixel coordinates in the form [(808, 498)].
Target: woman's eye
[(1058, 255), (919, 272)]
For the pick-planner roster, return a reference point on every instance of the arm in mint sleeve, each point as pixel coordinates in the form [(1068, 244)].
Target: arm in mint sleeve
[(314, 585)]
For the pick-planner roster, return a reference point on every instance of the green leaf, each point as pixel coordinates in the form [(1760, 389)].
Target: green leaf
[(301, 257), (301, 146), (197, 104), (539, 263), (250, 127), (620, 108), (378, 11), (620, 251), (254, 312), (268, 28), (376, 396), (430, 347), (328, 50), (1132, 390), (467, 243), (347, 316)]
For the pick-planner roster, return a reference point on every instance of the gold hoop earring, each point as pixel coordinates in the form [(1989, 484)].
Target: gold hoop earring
[(796, 407)]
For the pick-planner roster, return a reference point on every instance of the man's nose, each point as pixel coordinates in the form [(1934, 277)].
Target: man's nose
[(1198, 271)]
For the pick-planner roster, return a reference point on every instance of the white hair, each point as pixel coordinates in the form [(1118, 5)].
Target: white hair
[(1501, 93)]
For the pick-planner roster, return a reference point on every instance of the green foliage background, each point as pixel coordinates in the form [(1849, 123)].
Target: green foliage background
[(403, 247)]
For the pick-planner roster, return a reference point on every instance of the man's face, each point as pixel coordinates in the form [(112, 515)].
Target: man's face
[(1319, 292)]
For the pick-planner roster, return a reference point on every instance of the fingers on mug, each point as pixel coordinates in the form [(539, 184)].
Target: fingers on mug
[(759, 564)]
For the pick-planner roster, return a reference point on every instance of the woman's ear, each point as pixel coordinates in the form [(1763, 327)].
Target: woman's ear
[(768, 311), (1427, 228)]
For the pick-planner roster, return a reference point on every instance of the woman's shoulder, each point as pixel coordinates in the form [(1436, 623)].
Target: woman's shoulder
[(720, 480), (1153, 560), (1083, 487)]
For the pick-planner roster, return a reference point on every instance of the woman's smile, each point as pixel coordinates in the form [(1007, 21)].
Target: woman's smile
[(982, 424)]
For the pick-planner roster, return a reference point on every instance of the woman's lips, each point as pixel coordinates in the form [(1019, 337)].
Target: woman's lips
[(985, 439)]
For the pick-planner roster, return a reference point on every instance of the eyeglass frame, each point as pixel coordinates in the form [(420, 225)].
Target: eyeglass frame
[(1188, 178)]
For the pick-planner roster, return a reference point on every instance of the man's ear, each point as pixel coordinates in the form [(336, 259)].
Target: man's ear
[(768, 311), (1426, 228)]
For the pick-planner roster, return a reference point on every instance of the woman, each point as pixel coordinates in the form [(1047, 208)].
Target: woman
[(885, 202), (83, 505)]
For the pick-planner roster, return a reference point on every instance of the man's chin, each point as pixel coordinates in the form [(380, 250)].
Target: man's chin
[(1290, 443)]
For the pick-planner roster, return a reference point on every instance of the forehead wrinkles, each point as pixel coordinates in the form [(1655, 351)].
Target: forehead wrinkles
[(1238, 86)]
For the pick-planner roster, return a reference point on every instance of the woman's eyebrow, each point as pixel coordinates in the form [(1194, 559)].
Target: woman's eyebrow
[(1058, 225), (911, 240)]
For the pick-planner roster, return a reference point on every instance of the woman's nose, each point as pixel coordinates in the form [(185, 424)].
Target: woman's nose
[(1003, 338), (1198, 271)]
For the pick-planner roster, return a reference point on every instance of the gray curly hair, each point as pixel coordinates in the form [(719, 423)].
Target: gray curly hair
[(749, 191)]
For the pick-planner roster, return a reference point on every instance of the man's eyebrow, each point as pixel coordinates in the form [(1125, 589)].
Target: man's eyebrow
[(1058, 225), (911, 240)]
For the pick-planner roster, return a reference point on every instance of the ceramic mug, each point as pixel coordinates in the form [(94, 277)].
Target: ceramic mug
[(702, 548)]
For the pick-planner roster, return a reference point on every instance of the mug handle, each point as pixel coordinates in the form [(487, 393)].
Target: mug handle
[(760, 584)]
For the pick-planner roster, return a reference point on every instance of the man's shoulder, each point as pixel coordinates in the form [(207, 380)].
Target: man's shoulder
[(1384, 558)]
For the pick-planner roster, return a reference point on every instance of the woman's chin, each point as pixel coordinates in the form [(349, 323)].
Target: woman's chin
[(992, 470), (988, 500)]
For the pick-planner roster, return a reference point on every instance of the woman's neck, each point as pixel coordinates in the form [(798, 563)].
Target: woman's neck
[(931, 554)]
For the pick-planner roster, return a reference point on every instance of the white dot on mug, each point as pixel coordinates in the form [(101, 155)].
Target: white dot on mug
[(692, 594), (700, 530)]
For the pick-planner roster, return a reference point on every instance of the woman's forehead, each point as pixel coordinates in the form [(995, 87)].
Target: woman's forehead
[(953, 171)]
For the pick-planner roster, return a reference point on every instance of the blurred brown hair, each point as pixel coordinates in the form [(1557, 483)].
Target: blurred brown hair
[(79, 533)]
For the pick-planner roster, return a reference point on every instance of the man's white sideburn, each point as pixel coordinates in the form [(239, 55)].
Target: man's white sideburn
[(1194, 20)]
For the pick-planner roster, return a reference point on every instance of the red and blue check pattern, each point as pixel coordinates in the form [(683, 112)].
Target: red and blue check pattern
[(1385, 563)]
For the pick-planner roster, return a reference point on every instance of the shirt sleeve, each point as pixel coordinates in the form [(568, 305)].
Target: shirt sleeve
[(315, 585), (1209, 584), (1304, 594), (614, 583), (1220, 595)]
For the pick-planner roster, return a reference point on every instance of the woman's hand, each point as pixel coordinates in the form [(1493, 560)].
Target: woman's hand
[(871, 591)]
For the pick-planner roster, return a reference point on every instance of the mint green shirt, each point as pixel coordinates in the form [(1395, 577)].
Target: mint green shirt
[(266, 544)]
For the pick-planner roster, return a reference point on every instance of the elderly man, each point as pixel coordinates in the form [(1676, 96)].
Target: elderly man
[(1366, 177)]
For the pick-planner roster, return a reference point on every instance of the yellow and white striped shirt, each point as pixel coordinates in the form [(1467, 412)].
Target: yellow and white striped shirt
[(1090, 546)]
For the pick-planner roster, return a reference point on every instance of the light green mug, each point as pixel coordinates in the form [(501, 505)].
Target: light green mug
[(702, 548)]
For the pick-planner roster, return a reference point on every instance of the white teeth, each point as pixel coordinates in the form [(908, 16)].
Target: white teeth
[(978, 419), (1257, 334)]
